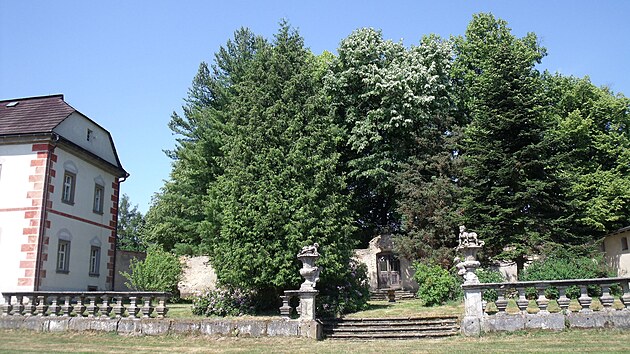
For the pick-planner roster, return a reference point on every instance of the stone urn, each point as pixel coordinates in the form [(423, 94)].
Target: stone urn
[(309, 271)]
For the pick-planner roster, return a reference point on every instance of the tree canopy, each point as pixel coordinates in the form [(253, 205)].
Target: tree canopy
[(278, 147)]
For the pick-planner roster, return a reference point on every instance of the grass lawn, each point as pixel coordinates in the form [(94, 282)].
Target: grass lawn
[(594, 341), (407, 308)]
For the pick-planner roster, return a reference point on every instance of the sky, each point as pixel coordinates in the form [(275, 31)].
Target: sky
[(128, 64)]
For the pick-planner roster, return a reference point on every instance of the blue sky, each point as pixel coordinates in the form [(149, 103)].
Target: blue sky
[(128, 64)]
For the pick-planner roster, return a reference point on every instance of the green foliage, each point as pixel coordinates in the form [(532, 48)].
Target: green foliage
[(350, 296), (227, 302), (490, 276), (511, 195), (159, 271), (129, 228), (392, 102), (437, 285)]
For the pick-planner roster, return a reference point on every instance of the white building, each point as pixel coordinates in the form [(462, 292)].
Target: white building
[(617, 251), (59, 188)]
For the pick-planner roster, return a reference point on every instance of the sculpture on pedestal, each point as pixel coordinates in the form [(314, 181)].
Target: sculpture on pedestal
[(469, 245), (308, 255)]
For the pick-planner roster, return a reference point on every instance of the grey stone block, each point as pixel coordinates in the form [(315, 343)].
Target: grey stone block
[(283, 328), (471, 326), (552, 321), (104, 325), (79, 324), (57, 324), (185, 327), (503, 323), (34, 323), (311, 329), (154, 327), (621, 319), (249, 328), (11, 322), (129, 326), (217, 327), (597, 319)]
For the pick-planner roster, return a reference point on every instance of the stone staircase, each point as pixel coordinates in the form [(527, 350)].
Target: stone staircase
[(381, 295), (391, 328)]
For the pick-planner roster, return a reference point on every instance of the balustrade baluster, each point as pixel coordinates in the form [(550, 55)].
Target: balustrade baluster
[(161, 308), (29, 307), (542, 300), (606, 299), (119, 308), (626, 295), (285, 309), (522, 301), (92, 307), (501, 302), (563, 300), (79, 307), (584, 300), (42, 306), (7, 307), (18, 308), (105, 308), (54, 307), (133, 309), (66, 308), (147, 308)]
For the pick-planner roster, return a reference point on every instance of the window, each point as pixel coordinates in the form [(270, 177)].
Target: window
[(90, 135), (95, 260), (69, 180), (624, 243), (63, 256), (98, 199)]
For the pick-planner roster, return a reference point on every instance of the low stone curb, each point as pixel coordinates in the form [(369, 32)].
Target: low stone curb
[(163, 326)]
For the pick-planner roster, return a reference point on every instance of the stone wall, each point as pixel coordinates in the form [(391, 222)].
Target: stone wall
[(198, 274), (123, 260), (277, 327)]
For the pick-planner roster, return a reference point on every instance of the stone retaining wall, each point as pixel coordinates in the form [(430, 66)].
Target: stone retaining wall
[(152, 326)]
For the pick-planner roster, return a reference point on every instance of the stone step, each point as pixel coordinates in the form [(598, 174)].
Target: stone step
[(391, 328), (402, 335), (381, 295)]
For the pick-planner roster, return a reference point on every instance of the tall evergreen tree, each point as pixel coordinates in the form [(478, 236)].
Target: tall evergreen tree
[(177, 213), (280, 189), (511, 196)]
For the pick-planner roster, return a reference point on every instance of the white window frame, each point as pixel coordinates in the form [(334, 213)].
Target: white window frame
[(95, 261), (63, 256), (68, 187), (99, 195)]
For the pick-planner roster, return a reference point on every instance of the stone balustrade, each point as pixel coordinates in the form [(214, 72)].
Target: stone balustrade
[(517, 292), (91, 304), (546, 305)]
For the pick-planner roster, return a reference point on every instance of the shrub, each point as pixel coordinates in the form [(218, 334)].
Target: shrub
[(490, 276), (437, 285), (350, 295), (224, 302), (563, 266), (159, 271)]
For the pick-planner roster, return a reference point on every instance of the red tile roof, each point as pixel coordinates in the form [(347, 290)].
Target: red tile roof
[(33, 114)]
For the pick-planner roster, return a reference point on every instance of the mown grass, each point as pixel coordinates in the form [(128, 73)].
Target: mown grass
[(584, 341), (408, 308)]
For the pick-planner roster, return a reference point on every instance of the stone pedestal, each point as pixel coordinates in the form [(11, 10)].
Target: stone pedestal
[(307, 304)]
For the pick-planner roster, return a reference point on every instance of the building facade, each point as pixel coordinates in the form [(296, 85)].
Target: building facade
[(617, 251), (59, 189)]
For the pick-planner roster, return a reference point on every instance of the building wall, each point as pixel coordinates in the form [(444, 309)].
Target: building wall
[(74, 128), (123, 262), (80, 225), (616, 256), (368, 256), (21, 191)]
